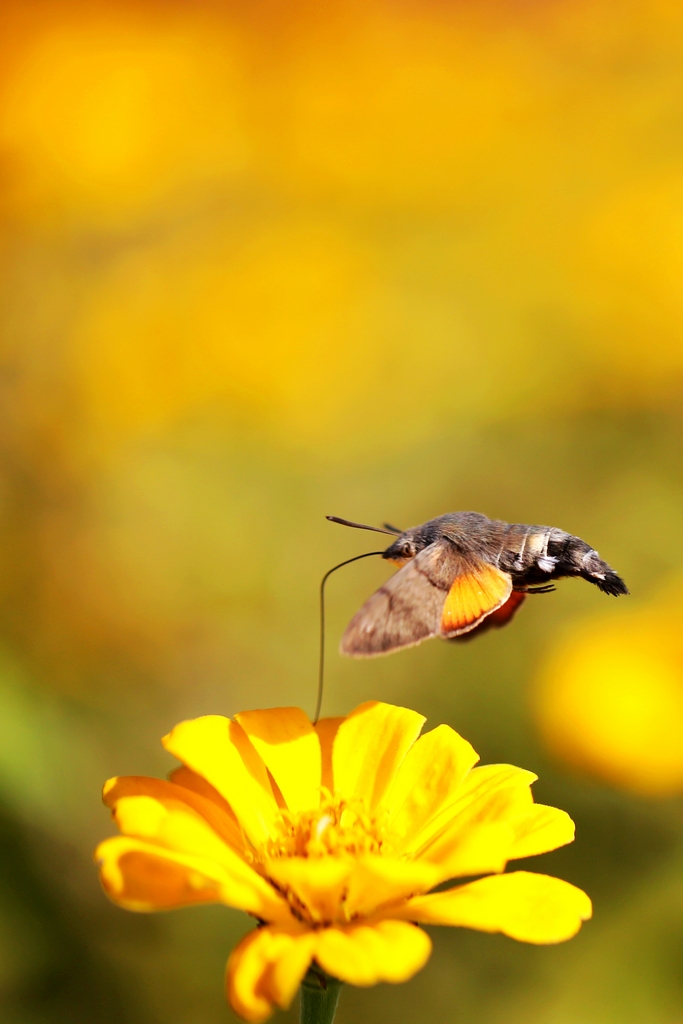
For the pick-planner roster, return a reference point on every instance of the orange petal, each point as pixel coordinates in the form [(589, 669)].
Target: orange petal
[(525, 906), (266, 969), (220, 751), (316, 884), (185, 777), (290, 749), (369, 748), (139, 877), (367, 953), (326, 729), (176, 797), (175, 825), (427, 780), (140, 874)]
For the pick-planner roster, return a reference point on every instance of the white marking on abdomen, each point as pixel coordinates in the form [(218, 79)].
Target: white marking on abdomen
[(519, 561), (538, 544)]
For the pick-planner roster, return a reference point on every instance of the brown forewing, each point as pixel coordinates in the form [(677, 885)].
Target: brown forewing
[(407, 608)]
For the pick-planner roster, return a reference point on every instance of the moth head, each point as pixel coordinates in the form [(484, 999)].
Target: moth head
[(401, 551)]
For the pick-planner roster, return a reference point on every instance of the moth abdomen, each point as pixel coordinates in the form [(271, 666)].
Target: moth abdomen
[(579, 559), (531, 553), (596, 571), (537, 554)]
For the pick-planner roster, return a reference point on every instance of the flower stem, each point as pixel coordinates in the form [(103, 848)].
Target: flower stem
[(319, 997)]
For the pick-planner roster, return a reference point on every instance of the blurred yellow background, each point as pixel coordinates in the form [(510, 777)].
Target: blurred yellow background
[(266, 261)]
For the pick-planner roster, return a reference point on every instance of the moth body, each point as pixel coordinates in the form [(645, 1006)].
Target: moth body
[(530, 554), (463, 573)]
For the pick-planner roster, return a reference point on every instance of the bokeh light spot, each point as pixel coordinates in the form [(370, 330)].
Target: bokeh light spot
[(609, 701)]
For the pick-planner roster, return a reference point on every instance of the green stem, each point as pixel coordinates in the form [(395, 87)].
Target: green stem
[(319, 997)]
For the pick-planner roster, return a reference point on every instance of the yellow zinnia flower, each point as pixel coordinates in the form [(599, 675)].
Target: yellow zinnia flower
[(332, 836)]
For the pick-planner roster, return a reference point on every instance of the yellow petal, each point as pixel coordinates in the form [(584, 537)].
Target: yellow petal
[(175, 797), (369, 748), (477, 801), (427, 780), (266, 969), (140, 874), (494, 821), (315, 884), (220, 751), (525, 906), (375, 881), (326, 729), (477, 851), (290, 967), (289, 747), (367, 953), (540, 830)]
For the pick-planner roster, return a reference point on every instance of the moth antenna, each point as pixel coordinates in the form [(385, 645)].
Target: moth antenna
[(321, 664), (360, 526), (392, 529)]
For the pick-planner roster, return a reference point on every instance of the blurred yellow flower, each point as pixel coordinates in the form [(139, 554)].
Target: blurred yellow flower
[(105, 119), (331, 835), (609, 700)]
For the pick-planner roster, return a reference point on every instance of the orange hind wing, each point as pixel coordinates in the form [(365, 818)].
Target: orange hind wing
[(475, 593)]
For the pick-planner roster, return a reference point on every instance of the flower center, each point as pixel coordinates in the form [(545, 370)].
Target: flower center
[(336, 827)]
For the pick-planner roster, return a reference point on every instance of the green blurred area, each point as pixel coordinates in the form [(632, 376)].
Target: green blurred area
[(263, 263)]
